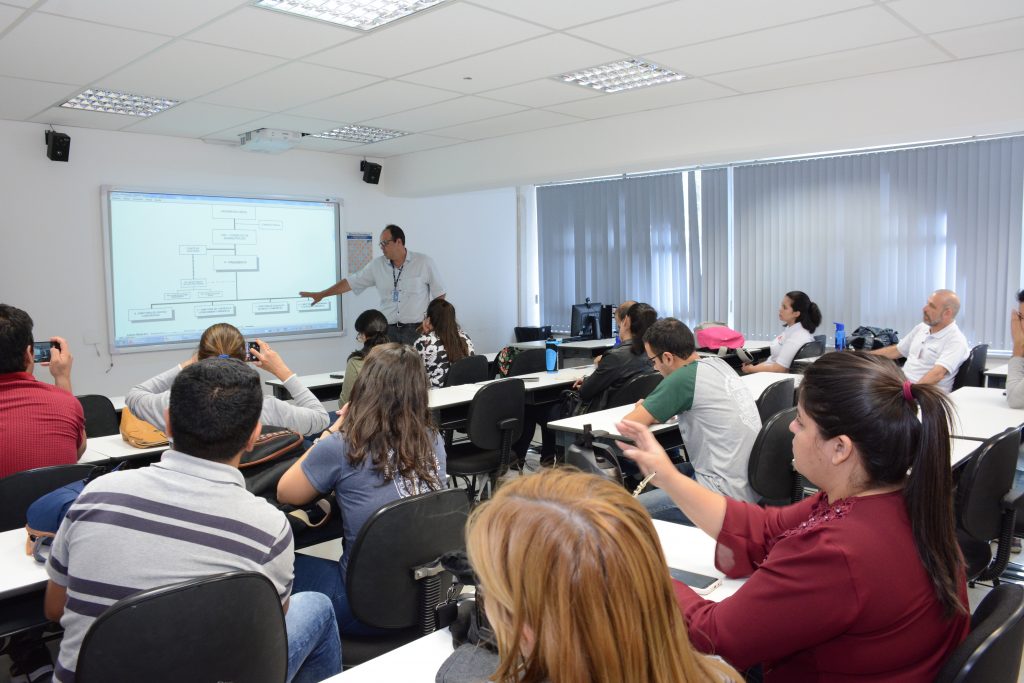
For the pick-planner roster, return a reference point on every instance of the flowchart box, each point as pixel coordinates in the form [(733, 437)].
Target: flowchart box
[(271, 225), (268, 307), (236, 212), (149, 315), (246, 262), (215, 311), (193, 282), (177, 296), (192, 250), (234, 237), (307, 307)]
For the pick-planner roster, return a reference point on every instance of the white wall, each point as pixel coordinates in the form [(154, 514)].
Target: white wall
[(981, 96), (52, 263)]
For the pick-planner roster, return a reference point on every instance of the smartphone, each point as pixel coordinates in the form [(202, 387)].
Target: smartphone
[(700, 583), (41, 351), (248, 356)]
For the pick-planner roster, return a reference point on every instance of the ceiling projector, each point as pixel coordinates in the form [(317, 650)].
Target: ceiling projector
[(269, 140)]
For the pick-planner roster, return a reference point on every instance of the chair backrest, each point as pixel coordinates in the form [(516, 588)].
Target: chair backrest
[(227, 627), (100, 417), (811, 349), (776, 397), (985, 479), (524, 334), (21, 489), (527, 361), (467, 371), (770, 469), (972, 370), (400, 536), (635, 388), (992, 651), (501, 400)]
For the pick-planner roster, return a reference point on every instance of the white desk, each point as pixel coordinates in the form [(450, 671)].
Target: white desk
[(961, 450), (118, 402), (759, 381), (21, 573), (113, 446), (996, 376), (982, 413), (536, 383), (326, 386), (685, 548), (602, 420)]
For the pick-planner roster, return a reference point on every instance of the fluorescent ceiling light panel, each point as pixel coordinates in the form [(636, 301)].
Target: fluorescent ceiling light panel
[(112, 102), (364, 134), (360, 14), (626, 74)]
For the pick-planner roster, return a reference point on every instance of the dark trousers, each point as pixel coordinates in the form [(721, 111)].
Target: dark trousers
[(406, 333)]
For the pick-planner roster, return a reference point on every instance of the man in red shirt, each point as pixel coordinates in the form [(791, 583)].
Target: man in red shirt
[(40, 424)]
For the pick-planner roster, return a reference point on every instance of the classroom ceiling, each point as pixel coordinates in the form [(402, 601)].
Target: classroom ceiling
[(462, 71)]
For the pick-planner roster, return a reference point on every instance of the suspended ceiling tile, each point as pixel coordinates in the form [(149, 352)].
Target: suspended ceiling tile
[(272, 33), (379, 99), (195, 120), (289, 86), (448, 113), (168, 18)]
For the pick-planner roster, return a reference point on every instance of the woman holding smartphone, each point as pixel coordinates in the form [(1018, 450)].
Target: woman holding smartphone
[(305, 414), (576, 587), (383, 447), (862, 581)]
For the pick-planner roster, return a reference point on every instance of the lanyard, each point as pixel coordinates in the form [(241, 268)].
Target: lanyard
[(395, 278)]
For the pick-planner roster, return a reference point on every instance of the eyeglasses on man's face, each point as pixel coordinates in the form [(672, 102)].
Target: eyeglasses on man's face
[(384, 243)]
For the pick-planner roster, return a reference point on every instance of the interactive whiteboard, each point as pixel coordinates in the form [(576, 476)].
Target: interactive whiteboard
[(178, 263)]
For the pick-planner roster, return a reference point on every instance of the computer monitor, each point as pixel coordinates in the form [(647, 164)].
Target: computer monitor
[(586, 320)]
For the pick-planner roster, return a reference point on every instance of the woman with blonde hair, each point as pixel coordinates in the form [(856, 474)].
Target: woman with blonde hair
[(305, 414), (576, 587)]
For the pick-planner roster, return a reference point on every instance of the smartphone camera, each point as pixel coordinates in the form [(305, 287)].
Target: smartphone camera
[(248, 356), (41, 351)]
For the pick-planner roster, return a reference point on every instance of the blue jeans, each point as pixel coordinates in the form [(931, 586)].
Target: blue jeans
[(660, 506), (314, 649), (324, 576)]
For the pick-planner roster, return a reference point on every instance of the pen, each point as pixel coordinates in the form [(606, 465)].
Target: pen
[(643, 484)]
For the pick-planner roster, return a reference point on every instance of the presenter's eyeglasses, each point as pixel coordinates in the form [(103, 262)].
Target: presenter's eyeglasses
[(384, 243)]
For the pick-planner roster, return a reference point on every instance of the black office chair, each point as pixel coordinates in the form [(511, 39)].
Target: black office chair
[(23, 614), (770, 469), (525, 334), (972, 370), (992, 651), (401, 541), (227, 627), (635, 388), (778, 396), (986, 506), (21, 489), (495, 422), (811, 349), (468, 370), (100, 417), (527, 361)]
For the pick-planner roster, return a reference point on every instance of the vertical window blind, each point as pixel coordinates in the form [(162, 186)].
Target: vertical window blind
[(868, 236)]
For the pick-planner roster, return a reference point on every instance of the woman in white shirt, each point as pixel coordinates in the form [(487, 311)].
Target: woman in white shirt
[(801, 317)]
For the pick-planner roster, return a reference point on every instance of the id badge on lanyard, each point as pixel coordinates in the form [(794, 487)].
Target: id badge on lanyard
[(394, 295)]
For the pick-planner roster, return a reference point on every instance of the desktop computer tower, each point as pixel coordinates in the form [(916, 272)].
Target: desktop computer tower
[(605, 323)]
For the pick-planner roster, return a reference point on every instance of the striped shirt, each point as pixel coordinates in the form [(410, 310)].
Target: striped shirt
[(176, 520)]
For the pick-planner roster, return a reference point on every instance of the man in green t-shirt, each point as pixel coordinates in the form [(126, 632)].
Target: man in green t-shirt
[(718, 419)]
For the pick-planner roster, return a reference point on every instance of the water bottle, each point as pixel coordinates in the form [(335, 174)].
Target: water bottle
[(840, 336), (551, 355)]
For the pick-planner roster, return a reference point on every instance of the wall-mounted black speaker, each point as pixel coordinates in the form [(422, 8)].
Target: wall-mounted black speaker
[(58, 146), (371, 172)]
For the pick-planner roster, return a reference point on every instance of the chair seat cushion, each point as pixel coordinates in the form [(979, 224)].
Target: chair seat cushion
[(358, 649), (467, 459)]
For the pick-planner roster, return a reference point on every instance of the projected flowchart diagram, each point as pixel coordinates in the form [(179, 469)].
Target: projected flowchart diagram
[(219, 261)]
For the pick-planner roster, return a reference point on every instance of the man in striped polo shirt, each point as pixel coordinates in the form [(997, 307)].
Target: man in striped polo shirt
[(185, 517)]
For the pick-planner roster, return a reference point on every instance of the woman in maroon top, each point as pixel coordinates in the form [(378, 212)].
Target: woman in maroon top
[(861, 582)]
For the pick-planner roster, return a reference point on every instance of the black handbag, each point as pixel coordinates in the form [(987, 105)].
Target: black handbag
[(275, 451)]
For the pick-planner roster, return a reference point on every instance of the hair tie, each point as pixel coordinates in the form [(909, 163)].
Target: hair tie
[(907, 394), (223, 355)]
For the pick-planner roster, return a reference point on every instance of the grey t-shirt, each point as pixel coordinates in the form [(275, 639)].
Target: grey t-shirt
[(361, 490)]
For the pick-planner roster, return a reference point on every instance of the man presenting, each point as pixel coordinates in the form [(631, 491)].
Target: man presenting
[(936, 347), (406, 281), (186, 517), (718, 418), (40, 424)]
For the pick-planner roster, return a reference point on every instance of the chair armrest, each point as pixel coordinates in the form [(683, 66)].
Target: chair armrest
[(1014, 499), (509, 424)]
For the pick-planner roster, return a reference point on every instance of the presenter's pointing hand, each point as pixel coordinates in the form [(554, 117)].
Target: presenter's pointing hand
[(315, 296)]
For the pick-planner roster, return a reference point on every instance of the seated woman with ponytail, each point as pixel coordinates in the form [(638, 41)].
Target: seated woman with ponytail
[(443, 342), (801, 318), (863, 581)]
